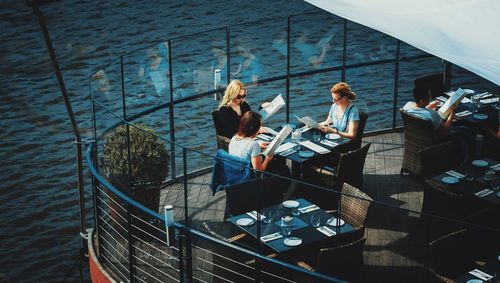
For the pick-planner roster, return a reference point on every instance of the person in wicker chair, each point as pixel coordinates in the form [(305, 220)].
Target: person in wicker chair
[(423, 107), (232, 107), (343, 118)]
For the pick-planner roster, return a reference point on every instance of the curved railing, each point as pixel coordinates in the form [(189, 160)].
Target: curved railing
[(168, 86)]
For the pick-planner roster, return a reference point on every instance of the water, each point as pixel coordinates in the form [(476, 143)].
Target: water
[(39, 212)]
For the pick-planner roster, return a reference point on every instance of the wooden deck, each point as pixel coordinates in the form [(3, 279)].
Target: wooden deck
[(394, 250)]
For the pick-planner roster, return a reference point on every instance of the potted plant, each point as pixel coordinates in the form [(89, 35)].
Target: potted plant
[(148, 164)]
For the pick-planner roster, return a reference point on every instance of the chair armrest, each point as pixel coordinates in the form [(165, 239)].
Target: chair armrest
[(252, 262), (236, 237), (305, 266)]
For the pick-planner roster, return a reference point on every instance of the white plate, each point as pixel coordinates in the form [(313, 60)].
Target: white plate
[(292, 241), (449, 180), (474, 281), (245, 221), (333, 222), (480, 116), (306, 153), (479, 163), (333, 136), (291, 204)]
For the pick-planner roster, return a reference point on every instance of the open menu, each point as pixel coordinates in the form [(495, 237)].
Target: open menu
[(308, 121), (276, 142), (451, 103), (272, 107)]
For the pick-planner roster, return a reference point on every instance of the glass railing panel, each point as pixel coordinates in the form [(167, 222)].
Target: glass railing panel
[(367, 45), (310, 95), (257, 50), (194, 59), (194, 128), (374, 86), (316, 46), (460, 77), (266, 92), (106, 86), (159, 121), (409, 70), (146, 78)]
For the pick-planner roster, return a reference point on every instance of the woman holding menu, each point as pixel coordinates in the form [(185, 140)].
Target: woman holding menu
[(343, 118)]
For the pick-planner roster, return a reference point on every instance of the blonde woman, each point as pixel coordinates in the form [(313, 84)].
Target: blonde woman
[(343, 118), (233, 106)]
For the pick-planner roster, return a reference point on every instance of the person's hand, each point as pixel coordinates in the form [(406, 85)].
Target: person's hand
[(266, 104), (433, 105), (324, 128), (269, 157), (264, 145)]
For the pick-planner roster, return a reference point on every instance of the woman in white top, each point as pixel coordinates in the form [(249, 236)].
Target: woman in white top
[(243, 144), (343, 118)]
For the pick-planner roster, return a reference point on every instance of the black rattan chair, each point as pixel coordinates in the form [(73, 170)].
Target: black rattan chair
[(438, 158), (222, 141), (418, 134)]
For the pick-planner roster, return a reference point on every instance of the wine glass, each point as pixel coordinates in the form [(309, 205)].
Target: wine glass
[(476, 103)]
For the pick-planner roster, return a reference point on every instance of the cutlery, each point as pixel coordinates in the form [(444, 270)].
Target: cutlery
[(455, 174), (253, 214), (327, 231), (484, 193), (308, 208)]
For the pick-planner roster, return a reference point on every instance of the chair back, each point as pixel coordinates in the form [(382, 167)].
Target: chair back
[(437, 159), (355, 143), (350, 167), (229, 170), (418, 134), (449, 255), (344, 262), (222, 141), (354, 206), (252, 195)]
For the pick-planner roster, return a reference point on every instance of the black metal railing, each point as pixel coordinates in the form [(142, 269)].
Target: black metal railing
[(168, 86)]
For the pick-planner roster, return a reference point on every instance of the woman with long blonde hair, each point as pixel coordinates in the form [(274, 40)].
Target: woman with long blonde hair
[(343, 118), (232, 107)]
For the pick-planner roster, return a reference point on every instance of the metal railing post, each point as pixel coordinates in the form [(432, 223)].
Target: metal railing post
[(171, 111), (396, 84), (288, 66), (188, 258), (344, 52), (228, 55)]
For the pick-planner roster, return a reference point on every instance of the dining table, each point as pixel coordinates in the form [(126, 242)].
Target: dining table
[(470, 179), (298, 213), (487, 273)]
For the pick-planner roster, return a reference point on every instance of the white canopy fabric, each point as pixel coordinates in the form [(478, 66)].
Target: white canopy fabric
[(464, 32)]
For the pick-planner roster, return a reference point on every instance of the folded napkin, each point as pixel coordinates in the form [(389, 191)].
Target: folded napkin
[(490, 100), (455, 174), (483, 193), (315, 147), (483, 95), (264, 137), (327, 231), (481, 275), (308, 208), (271, 237), (284, 147), (253, 214), (495, 167)]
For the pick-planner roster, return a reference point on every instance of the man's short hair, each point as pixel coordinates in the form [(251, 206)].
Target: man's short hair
[(421, 92)]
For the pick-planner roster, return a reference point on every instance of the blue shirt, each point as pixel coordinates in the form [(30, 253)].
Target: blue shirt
[(341, 124)]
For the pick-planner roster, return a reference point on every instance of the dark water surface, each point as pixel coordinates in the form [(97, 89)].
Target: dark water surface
[(39, 200)]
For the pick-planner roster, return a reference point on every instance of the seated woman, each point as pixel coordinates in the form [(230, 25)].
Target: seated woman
[(343, 118), (243, 144), (233, 106)]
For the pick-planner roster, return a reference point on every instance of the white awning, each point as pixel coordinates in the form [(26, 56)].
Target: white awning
[(464, 32)]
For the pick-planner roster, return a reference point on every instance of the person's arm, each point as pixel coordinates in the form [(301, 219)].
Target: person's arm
[(444, 127), (352, 130), (260, 165)]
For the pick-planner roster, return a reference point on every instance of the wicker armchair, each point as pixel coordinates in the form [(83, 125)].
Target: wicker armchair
[(450, 256), (438, 158), (418, 134), (354, 206), (344, 262), (356, 142), (222, 141)]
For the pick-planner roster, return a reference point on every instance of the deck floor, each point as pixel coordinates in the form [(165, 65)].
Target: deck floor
[(394, 248)]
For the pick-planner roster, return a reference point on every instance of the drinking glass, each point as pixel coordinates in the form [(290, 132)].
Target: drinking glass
[(315, 221), (269, 217), (286, 231), (295, 211), (489, 178), (316, 136), (476, 103), (296, 135)]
